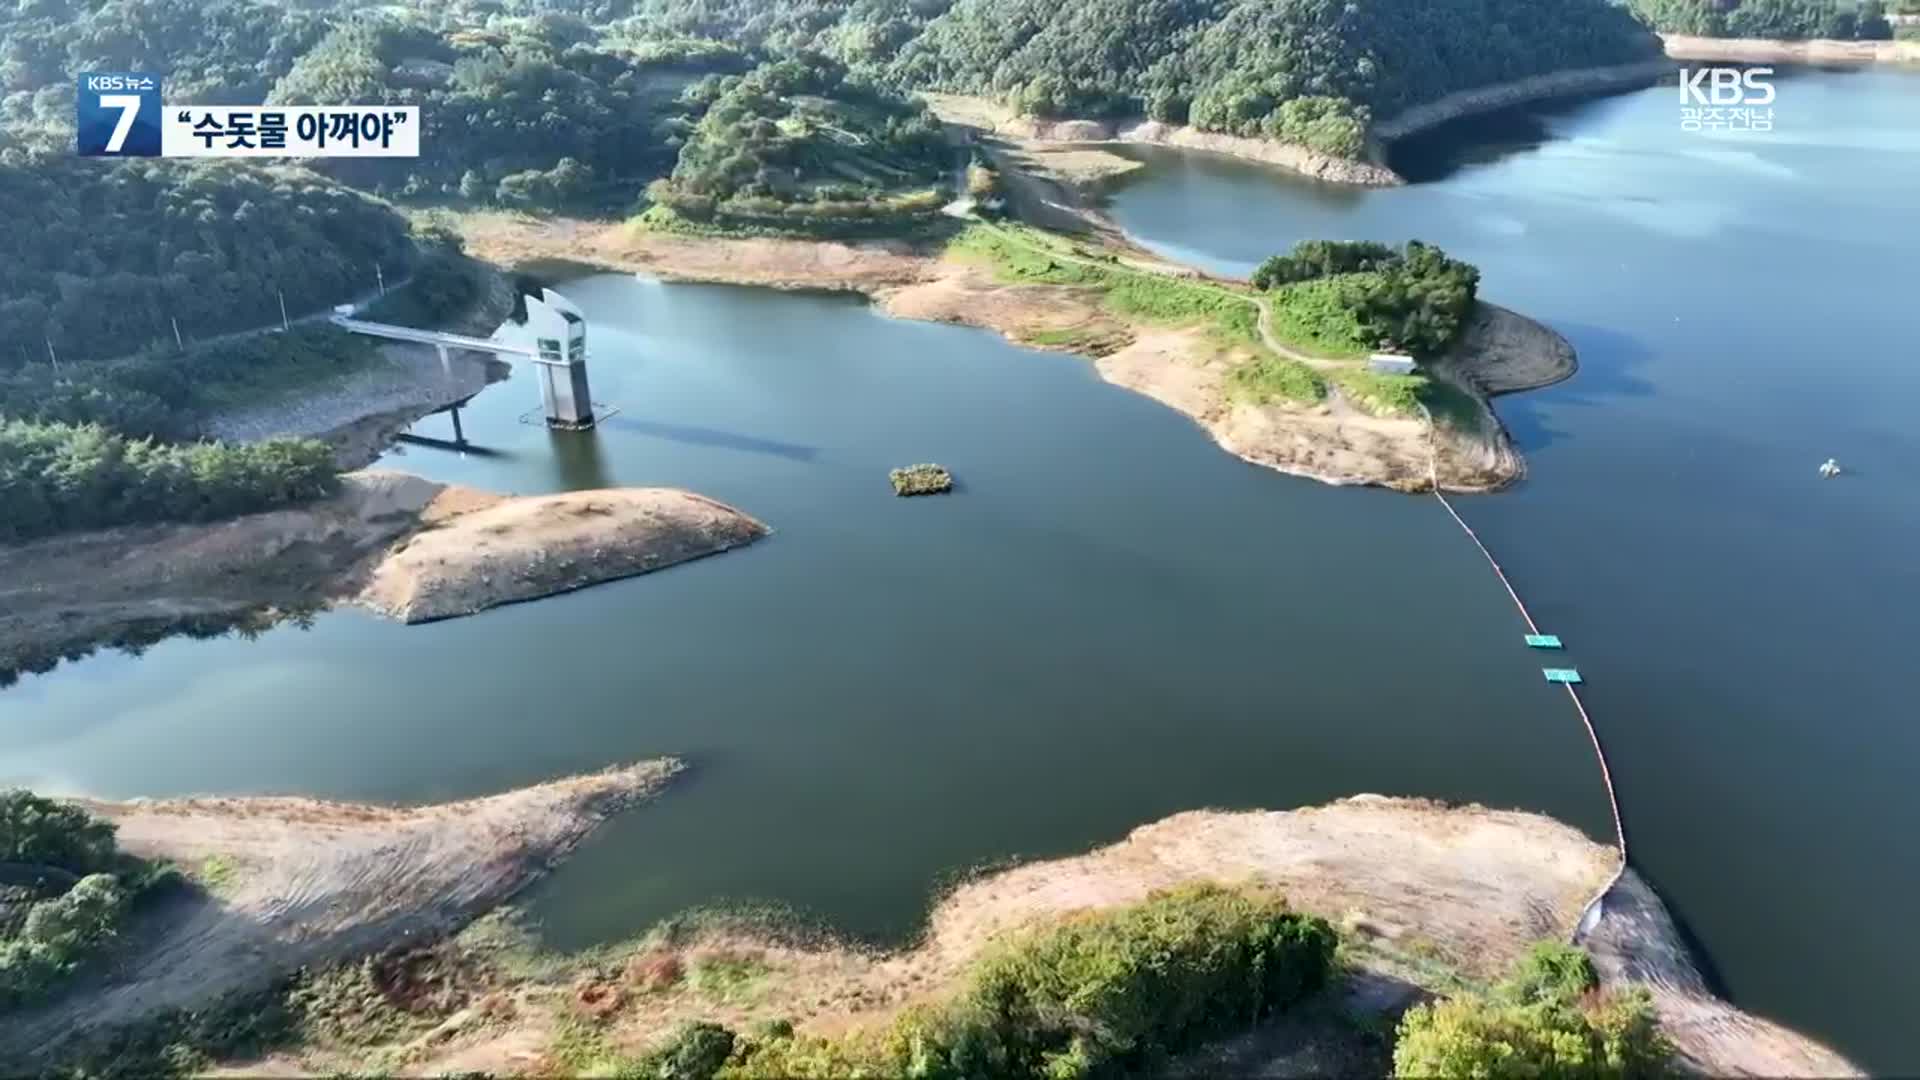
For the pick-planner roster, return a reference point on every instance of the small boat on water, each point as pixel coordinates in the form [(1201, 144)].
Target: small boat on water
[(1830, 469)]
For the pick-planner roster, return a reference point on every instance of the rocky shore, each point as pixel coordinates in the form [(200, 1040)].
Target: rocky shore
[(1505, 95), (1426, 897), (407, 547)]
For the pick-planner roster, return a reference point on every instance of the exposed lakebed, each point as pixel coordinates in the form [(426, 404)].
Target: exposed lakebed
[(1113, 620)]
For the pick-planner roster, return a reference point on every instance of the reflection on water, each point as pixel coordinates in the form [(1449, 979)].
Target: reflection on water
[(1739, 305), (1111, 621)]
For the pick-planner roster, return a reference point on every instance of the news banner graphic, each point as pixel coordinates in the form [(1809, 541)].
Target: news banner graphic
[(120, 114)]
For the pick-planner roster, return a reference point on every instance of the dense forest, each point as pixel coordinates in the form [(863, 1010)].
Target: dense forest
[(802, 144), (1790, 19), (1235, 65), (105, 257), (542, 102), (540, 113), (1415, 299)]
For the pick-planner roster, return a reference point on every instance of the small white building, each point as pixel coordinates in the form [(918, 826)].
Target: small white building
[(1381, 363)]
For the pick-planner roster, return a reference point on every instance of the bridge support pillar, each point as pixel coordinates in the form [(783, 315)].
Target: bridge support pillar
[(459, 437)]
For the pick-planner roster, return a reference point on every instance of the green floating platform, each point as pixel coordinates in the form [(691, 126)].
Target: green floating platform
[(1544, 641), (1560, 674)]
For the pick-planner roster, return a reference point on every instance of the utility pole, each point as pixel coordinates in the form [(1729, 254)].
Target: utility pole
[(284, 324), (177, 343), (53, 356), (381, 277)]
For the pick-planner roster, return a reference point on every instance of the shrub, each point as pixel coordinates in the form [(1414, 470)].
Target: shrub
[(59, 934), (1551, 972), (39, 830), (1105, 991), (1546, 1020), (696, 1052)]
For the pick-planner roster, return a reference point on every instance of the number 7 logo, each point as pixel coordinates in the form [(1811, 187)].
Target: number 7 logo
[(129, 106), (117, 114)]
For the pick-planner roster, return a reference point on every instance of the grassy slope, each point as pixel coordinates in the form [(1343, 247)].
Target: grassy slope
[(1030, 256), (1308, 317)]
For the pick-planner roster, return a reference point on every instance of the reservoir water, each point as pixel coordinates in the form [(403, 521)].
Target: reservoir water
[(1113, 620), (1743, 310)]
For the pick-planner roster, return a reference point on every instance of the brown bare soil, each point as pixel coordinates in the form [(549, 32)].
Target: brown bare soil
[(1766, 50), (484, 553), (468, 551), (1428, 898), (1501, 352), (517, 240), (1031, 135), (320, 882)]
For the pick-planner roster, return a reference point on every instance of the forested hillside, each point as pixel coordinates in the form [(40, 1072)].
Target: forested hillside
[(548, 102), (1791, 19), (800, 144), (104, 256), (1234, 65), (530, 113)]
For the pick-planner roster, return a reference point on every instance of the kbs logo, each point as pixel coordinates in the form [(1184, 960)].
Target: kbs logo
[(1726, 86), (117, 114), (1726, 99)]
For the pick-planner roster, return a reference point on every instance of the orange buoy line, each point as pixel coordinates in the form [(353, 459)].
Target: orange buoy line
[(1593, 735)]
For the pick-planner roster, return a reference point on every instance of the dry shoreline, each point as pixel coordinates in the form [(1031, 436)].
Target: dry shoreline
[(317, 883), (1482, 99), (1773, 51), (1427, 897), (406, 547), (1334, 442), (992, 119), (360, 414)]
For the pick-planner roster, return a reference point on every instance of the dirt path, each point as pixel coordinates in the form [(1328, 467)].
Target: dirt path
[(321, 881)]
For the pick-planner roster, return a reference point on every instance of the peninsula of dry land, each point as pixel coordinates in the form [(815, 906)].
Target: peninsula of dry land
[(1329, 422), (1427, 901), (409, 548)]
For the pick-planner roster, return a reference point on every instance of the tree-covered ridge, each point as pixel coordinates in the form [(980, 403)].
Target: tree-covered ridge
[(802, 143), (1232, 64), (1792, 19), (106, 256), (211, 51), (526, 112)]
